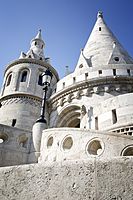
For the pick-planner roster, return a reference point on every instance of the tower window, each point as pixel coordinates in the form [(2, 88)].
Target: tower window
[(14, 122), (96, 123), (9, 79), (114, 72), (35, 43), (24, 76), (80, 66), (100, 28), (116, 59), (100, 72), (74, 79), (42, 46), (128, 71), (40, 80), (114, 116), (86, 75), (63, 84)]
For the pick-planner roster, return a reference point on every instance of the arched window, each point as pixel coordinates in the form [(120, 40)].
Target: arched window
[(40, 79), (9, 79), (24, 76)]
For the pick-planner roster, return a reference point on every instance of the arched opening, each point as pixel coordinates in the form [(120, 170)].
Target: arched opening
[(74, 123), (67, 143), (23, 76), (23, 141), (50, 142), (128, 151), (95, 147), (3, 137), (70, 117), (9, 77)]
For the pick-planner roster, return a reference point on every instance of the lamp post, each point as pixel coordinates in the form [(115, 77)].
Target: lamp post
[(41, 123), (46, 79)]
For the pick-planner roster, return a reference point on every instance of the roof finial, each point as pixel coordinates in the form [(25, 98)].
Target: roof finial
[(100, 14)]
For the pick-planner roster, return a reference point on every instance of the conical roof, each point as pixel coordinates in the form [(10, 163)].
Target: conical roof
[(39, 35), (102, 47)]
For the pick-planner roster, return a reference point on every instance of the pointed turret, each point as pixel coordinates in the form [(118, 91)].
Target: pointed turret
[(37, 46), (39, 35), (99, 49)]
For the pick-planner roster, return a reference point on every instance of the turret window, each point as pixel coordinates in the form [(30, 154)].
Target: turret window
[(8, 79), (35, 43), (100, 72), (40, 80), (114, 116), (100, 29), (14, 122), (128, 72), (96, 123), (24, 76), (114, 72)]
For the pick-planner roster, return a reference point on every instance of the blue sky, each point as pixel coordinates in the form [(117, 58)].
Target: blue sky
[(65, 24)]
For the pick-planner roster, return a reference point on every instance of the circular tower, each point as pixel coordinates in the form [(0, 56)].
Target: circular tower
[(22, 91)]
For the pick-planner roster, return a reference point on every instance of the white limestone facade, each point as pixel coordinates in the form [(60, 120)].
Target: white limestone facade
[(89, 116)]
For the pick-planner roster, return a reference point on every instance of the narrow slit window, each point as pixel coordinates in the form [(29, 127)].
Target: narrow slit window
[(114, 72), (86, 75), (128, 72), (63, 84), (96, 123), (24, 76), (14, 122), (40, 80), (74, 79), (114, 116)]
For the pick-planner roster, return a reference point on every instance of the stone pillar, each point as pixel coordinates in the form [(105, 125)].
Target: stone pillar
[(38, 127)]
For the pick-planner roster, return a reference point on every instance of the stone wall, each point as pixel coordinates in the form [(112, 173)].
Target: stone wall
[(81, 180), (14, 145), (60, 144)]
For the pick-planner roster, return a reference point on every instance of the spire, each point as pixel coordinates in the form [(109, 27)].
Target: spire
[(39, 35), (37, 46), (99, 47)]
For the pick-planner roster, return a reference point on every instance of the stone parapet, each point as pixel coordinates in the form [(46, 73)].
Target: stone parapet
[(59, 144)]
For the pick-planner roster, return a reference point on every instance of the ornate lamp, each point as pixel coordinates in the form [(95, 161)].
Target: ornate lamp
[(46, 79)]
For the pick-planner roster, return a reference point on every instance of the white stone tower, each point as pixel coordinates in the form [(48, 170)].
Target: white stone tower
[(92, 109), (22, 91)]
